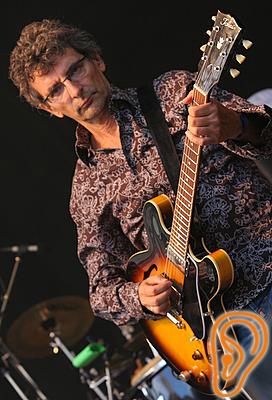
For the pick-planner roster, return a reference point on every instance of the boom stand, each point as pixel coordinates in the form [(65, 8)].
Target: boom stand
[(56, 342)]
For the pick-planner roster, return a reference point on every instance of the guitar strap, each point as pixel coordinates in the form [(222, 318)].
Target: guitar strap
[(158, 127)]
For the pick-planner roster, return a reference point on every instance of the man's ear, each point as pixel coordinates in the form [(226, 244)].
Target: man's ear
[(48, 109), (99, 62)]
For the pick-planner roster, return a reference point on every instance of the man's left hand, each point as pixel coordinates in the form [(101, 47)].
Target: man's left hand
[(211, 123)]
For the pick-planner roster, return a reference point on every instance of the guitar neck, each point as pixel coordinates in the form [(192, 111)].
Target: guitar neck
[(180, 231)]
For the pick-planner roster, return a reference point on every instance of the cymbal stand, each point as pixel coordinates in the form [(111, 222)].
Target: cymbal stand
[(8, 359), (86, 377)]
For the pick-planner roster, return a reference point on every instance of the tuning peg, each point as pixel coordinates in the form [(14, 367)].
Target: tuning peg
[(234, 72), (203, 47), (240, 58), (208, 32), (247, 44)]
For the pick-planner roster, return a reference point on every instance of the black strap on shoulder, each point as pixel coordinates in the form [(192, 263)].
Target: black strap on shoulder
[(158, 126)]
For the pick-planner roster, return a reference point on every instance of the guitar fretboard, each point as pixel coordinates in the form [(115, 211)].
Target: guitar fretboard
[(180, 231)]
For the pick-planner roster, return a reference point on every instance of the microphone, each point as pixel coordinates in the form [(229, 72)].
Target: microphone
[(21, 248)]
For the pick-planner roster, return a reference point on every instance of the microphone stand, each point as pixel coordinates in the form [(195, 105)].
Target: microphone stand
[(6, 356), (10, 285)]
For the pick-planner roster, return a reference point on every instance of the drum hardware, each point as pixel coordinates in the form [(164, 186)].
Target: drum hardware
[(142, 379), (8, 361), (58, 323), (70, 317), (83, 359)]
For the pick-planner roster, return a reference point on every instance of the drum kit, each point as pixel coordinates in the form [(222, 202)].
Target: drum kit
[(55, 326)]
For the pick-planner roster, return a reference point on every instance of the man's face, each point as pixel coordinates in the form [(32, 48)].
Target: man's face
[(83, 94)]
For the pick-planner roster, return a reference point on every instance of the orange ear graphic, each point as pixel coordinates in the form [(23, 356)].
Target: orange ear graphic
[(233, 360), (228, 367)]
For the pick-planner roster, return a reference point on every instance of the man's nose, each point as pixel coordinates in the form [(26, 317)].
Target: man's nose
[(73, 88)]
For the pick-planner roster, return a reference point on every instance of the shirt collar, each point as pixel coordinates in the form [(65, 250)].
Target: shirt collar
[(118, 97)]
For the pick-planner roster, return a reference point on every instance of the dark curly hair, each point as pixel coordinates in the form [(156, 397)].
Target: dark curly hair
[(38, 46)]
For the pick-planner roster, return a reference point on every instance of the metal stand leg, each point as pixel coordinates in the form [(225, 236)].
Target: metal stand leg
[(86, 376), (12, 382), (9, 360)]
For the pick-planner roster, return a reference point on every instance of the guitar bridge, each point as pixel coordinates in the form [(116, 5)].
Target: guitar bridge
[(172, 316)]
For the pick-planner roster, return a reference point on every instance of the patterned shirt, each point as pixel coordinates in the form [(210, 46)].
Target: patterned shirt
[(111, 186)]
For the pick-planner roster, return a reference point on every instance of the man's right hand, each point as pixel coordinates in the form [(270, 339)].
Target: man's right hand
[(154, 294)]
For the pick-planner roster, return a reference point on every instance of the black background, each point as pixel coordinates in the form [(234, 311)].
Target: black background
[(140, 40)]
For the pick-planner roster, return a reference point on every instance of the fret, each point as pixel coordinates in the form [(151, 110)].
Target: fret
[(186, 179), (182, 200), (188, 159), (180, 240), (191, 176), (181, 204), (189, 154), (183, 218), (183, 228), (179, 251), (188, 207), (180, 208), (176, 226), (184, 190), (177, 259), (187, 166), (191, 167), (179, 243), (178, 246), (186, 196), (181, 221), (191, 147)]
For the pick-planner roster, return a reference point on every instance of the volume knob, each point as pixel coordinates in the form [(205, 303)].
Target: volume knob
[(197, 355), (201, 378), (185, 375)]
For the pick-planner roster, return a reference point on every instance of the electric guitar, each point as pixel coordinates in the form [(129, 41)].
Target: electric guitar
[(200, 278)]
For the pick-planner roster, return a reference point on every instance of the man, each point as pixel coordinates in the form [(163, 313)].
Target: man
[(263, 96), (59, 68)]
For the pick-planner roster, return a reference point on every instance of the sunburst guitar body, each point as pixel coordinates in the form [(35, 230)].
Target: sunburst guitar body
[(180, 338)]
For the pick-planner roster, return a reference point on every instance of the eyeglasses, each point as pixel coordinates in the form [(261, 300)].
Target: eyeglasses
[(77, 71)]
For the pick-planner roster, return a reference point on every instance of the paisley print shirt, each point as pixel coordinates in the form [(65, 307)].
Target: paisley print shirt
[(111, 186)]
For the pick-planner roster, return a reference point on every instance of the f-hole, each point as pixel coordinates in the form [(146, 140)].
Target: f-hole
[(150, 269)]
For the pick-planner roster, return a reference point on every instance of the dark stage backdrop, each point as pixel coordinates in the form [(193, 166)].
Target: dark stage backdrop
[(140, 40)]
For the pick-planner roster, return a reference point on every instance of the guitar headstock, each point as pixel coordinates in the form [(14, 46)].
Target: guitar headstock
[(224, 37)]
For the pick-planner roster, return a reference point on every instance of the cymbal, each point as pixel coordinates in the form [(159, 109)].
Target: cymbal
[(70, 317)]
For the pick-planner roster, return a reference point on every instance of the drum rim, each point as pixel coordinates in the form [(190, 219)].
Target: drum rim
[(155, 365)]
